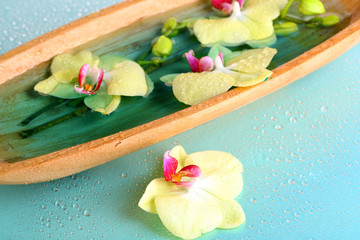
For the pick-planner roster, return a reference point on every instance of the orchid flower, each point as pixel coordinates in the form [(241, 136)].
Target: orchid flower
[(248, 23), (211, 75), (100, 81), (203, 193)]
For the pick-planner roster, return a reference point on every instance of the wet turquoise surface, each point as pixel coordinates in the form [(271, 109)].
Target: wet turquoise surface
[(300, 148)]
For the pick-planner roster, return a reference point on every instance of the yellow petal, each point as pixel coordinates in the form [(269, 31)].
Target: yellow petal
[(156, 187), (179, 154), (46, 86), (258, 31), (252, 61), (65, 67), (193, 88), (250, 79), (221, 173), (128, 79), (188, 215), (263, 10), (233, 214), (226, 31)]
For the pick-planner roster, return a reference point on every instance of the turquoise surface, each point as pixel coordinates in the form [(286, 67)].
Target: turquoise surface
[(300, 148)]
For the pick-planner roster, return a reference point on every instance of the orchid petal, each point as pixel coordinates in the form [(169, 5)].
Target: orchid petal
[(190, 171), (193, 61), (206, 64), (65, 67), (83, 73), (102, 102), (157, 187), (241, 3), (99, 79), (250, 79), (221, 57), (233, 214), (252, 61), (193, 88), (218, 3), (226, 8), (221, 173), (188, 215), (127, 78), (169, 165), (263, 11), (179, 154)]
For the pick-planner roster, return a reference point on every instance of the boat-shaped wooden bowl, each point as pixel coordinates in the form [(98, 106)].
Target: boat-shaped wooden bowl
[(87, 141)]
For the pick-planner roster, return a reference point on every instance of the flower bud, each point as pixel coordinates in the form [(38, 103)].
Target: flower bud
[(330, 20), (163, 47), (285, 28), (169, 25), (311, 7)]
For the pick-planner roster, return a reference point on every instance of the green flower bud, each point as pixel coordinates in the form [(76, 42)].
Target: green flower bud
[(311, 7), (330, 20), (169, 25), (163, 47), (285, 28)]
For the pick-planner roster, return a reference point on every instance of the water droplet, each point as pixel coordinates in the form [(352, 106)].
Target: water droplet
[(286, 211), (323, 109), (57, 203), (291, 181), (293, 119), (253, 200), (44, 207), (87, 213), (124, 175), (278, 127)]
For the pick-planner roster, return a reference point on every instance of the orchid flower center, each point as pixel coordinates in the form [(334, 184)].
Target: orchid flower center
[(204, 64), (229, 6), (185, 178), (90, 79)]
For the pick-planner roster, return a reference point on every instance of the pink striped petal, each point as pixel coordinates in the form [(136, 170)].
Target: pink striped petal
[(193, 61), (241, 3), (226, 8), (190, 171), (99, 79), (206, 64), (169, 165), (221, 56), (83, 73), (218, 3)]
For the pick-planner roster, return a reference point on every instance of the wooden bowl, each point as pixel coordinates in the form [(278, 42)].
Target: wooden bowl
[(127, 28)]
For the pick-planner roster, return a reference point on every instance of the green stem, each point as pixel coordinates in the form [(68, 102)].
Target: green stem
[(145, 55), (32, 131), (284, 11), (295, 20), (41, 111)]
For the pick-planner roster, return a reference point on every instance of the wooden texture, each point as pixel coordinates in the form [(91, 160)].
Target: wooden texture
[(84, 156)]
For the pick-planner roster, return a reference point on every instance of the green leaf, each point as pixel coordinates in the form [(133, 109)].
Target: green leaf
[(168, 79)]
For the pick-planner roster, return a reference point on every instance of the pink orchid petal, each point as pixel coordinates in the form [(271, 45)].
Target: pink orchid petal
[(99, 79), (169, 165), (206, 64), (193, 61), (241, 3), (226, 8), (221, 56), (217, 3), (83, 73), (190, 171), (82, 91)]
